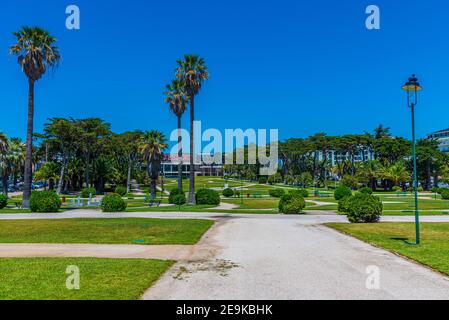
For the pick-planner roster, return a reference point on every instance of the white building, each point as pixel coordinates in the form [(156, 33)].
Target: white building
[(442, 137)]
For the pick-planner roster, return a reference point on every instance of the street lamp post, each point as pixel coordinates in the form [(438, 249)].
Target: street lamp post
[(412, 87)]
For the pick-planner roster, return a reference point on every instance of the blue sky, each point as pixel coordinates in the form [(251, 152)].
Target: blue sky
[(298, 66)]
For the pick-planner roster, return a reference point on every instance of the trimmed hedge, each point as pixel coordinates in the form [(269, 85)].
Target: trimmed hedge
[(86, 192), (45, 202), (445, 194), (208, 197), (301, 192), (113, 203), (341, 192), (3, 201), (291, 204), (228, 193), (364, 208), (180, 199), (173, 193), (277, 193), (121, 190), (366, 190)]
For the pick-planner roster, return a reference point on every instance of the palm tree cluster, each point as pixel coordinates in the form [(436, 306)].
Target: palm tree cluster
[(12, 157)]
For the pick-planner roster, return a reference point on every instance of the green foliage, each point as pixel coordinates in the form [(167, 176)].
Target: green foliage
[(441, 190), (228, 192), (208, 197), (435, 190), (343, 204), (364, 208), (180, 199), (86, 192), (366, 190), (291, 204), (263, 180), (420, 189), (397, 189), (445, 194), (277, 193), (45, 202), (341, 192), (173, 193), (113, 203), (350, 182), (300, 192), (121, 190), (237, 193), (3, 201), (305, 179)]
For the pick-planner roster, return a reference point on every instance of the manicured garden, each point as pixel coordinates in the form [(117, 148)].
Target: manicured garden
[(100, 279)]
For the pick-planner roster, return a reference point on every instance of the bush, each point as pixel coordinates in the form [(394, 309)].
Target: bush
[(277, 193), (291, 204), (350, 182), (366, 190), (364, 208), (435, 190), (441, 190), (173, 193), (45, 202), (228, 192), (3, 201), (300, 192), (121, 190), (343, 204), (237, 193), (113, 203), (420, 189), (263, 180), (397, 189), (445, 194), (86, 192), (342, 192), (207, 197), (180, 199)]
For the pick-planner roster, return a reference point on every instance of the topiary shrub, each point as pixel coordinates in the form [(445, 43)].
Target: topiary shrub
[(113, 203), (364, 208), (277, 193), (121, 190), (173, 193), (366, 190), (228, 192), (445, 194), (3, 201), (180, 200), (343, 204), (263, 180), (341, 192), (86, 192), (45, 202), (207, 197), (291, 204), (300, 192)]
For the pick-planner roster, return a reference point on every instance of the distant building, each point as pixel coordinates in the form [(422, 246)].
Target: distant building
[(334, 157), (170, 166), (442, 137)]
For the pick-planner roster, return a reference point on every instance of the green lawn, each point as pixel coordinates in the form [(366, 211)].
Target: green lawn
[(100, 279), (433, 251), (104, 231)]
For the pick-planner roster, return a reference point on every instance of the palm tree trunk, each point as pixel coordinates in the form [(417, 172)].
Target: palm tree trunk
[(179, 154), (28, 178), (61, 176), (192, 199), (128, 178), (5, 184)]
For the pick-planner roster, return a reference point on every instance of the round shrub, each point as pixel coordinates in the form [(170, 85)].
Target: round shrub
[(445, 194), (366, 190), (343, 204), (113, 203), (276, 193), (397, 189), (364, 208), (3, 201), (341, 192), (180, 199), (207, 197), (45, 202), (263, 180), (300, 192), (121, 190), (173, 193), (441, 190), (291, 204), (420, 189), (228, 192), (86, 192), (435, 190)]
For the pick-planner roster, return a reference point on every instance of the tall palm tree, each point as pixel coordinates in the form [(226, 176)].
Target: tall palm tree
[(176, 97), (36, 53), (152, 146), (192, 71)]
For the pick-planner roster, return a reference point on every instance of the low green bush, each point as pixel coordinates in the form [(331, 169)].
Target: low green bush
[(341, 192), (435, 190), (441, 190), (445, 194), (180, 200), (397, 189), (263, 180), (173, 193), (291, 204), (208, 197), (343, 204), (366, 190), (228, 193), (121, 190), (300, 192), (86, 192), (45, 202), (113, 203), (420, 189), (3, 201), (276, 193), (364, 208)]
